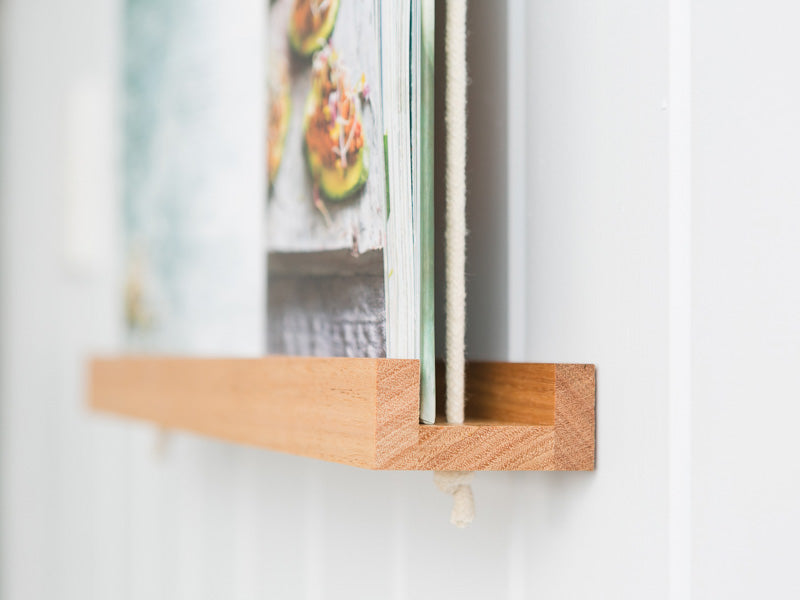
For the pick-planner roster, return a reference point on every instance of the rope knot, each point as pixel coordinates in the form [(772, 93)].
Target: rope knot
[(457, 484)]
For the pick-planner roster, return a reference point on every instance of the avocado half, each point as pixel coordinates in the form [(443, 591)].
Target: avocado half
[(335, 184), (338, 185), (314, 40), (275, 151)]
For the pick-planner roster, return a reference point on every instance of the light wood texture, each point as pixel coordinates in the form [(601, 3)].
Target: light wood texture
[(575, 417), (522, 393), (362, 412), (323, 408), (479, 446)]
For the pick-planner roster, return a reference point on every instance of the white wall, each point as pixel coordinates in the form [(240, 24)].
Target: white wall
[(598, 285), (637, 135), (746, 298)]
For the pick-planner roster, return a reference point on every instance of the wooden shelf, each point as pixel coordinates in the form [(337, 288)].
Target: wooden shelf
[(362, 412)]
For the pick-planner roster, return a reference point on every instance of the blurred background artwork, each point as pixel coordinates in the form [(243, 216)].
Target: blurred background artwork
[(193, 184)]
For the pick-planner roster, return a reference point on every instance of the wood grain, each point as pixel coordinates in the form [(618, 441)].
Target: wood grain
[(511, 392), (322, 408), (479, 447), (575, 417), (397, 415), (522, 393), (362, 412)]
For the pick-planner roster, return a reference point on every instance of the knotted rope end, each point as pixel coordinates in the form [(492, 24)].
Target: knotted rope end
[(457, 484)]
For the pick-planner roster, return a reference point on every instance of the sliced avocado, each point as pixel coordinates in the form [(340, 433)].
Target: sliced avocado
[(275, 154), (314, 40), (337, 184)]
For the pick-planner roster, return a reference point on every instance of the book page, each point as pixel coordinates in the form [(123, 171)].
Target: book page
[(327, 192)]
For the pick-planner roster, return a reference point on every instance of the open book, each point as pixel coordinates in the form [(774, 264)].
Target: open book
[(339, 195)]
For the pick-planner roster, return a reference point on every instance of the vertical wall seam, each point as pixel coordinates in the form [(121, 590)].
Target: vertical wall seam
[(517, 186), (680, 300), (517, 252)]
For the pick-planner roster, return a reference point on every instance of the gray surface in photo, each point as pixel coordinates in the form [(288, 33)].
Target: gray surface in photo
[(335, 308)]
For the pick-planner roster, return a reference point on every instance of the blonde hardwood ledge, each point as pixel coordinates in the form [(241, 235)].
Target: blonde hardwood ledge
[(361, 411)]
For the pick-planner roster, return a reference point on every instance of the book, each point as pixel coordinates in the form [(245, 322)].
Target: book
[(304, 230), (349, 211)]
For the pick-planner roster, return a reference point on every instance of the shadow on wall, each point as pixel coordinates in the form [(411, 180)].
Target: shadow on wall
[(487, 190)]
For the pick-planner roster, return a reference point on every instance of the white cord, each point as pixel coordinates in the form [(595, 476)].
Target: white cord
[(161, 443), (456, 483), (456, 221)]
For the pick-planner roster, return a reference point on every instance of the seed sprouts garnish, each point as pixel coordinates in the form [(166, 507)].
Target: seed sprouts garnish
[(318, 6)]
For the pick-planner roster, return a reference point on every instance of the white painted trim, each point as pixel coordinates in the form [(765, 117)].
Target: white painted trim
[(517, 253), (517, 101), (680, 300)]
